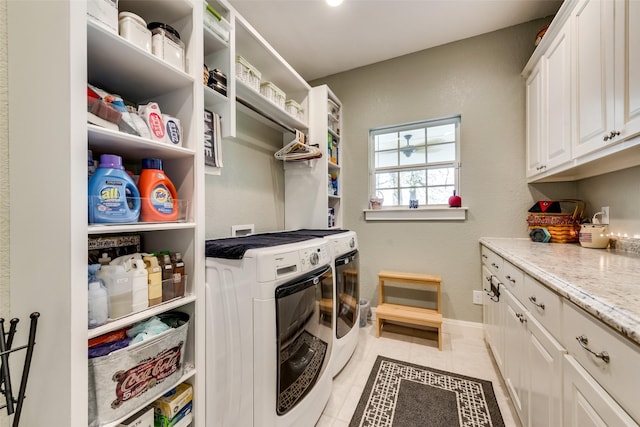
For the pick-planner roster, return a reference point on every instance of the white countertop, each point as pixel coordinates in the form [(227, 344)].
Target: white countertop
[(603, 282)]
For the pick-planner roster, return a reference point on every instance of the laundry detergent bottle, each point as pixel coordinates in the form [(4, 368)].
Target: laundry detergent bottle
[(159, 196), (113, 196)]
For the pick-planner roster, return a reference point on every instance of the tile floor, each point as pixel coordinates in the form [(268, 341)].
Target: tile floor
[(463, 352)]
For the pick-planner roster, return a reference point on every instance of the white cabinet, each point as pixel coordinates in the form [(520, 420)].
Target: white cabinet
[(549, 107), (593, 41), (515, 353), (49, 153), (586, 403), (314, 188), (594, 27), (544, 376), (492, 313)]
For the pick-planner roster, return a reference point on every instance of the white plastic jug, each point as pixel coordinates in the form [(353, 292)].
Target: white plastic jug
[(118, 284)]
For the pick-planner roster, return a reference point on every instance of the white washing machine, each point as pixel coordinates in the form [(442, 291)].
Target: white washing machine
[(345, 257), (269, 330)]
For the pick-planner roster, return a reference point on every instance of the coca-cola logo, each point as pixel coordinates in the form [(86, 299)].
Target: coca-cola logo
[(146, 375)]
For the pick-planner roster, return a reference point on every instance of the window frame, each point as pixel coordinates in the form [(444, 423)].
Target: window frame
[(421, 124)]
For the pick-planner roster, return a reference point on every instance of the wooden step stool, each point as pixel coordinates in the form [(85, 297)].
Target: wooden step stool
[(404, 313)]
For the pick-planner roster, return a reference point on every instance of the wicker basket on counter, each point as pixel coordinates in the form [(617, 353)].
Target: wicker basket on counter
[(564, 227)]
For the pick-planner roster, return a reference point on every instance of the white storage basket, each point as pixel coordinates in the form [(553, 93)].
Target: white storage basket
[(247, 73), (295, 109), (273, 93)]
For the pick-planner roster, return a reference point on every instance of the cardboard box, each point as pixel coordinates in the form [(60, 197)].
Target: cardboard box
[(172, 402), (182, 418), (144, 418), (113, 246)]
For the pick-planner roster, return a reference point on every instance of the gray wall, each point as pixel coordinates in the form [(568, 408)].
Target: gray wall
[(4, 179), (478, 78), (250, 189)]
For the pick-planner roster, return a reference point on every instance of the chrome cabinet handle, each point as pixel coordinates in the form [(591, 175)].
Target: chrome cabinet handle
[(536, 303), (584, 342), (511, 279), (493, 264), (521, 317), (484, 256)]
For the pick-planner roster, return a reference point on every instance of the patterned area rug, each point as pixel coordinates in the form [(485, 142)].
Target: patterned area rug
[(400, 394)]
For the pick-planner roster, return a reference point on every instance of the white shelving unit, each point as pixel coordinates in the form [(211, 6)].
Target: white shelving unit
[(49, 150), (308, 193)]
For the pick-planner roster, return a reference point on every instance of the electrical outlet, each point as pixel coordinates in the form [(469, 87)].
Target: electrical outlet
[(477, 297), (605, 215)]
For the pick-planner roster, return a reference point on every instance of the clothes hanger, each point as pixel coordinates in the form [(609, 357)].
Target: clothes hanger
[(298, 150)]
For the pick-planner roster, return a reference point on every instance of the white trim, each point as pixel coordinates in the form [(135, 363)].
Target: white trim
[(419, 214)]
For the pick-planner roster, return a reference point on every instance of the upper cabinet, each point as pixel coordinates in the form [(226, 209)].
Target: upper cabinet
[(588, 106)]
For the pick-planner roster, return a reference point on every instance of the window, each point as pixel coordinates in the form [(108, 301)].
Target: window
[(415, 161)]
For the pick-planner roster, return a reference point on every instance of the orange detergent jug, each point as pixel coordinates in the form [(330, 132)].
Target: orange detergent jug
[(158, 194)]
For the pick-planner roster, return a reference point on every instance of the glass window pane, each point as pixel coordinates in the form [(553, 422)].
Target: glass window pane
[(412, 156), (390, 197), (387, 141), (444, 133), (407, 194), (439, 195), (387, 180), (441, 153), (441, 176), (386, 159), (411, 137), (413, 178)]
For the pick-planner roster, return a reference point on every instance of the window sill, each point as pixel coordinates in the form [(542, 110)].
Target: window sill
[(419, 214)]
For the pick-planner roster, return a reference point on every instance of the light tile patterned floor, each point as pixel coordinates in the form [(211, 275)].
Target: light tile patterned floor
[(463, 352)]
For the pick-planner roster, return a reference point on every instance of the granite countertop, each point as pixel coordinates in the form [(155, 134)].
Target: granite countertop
[(604, 282)]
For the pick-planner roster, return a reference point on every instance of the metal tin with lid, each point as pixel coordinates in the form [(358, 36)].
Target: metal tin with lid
[(166, 44), (134, 29)]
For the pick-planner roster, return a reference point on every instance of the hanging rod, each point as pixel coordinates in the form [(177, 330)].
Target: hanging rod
[(263, 114)]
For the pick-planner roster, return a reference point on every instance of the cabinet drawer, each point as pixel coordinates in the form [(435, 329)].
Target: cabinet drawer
[(620, 376), (513, 280), (544, 305), (493, 261)]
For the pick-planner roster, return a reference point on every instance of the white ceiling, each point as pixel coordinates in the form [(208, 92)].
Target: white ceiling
[(318, 40)]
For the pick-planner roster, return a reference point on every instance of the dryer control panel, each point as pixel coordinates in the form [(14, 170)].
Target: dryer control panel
[(312, 258)]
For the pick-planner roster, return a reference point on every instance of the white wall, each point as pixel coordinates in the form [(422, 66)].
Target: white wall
[(478, 78), (4, 181)]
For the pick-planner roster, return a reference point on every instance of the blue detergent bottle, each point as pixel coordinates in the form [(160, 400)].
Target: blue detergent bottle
[(113, 196)]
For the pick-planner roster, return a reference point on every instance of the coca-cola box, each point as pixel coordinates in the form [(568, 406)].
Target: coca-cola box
[(126, 380)]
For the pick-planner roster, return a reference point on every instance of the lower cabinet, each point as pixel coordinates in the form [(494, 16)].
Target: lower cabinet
[(561, 367), (586, 403)]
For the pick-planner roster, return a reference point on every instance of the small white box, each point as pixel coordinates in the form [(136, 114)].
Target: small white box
[(144, 418), (104, 12), (273, 93), (247, 73), (134, 29), (295, 109)]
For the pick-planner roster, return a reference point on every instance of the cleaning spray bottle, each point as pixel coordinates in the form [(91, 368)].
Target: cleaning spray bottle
[(159, 196)]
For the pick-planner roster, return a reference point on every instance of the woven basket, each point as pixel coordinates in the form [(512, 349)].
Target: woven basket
[(563, 227)]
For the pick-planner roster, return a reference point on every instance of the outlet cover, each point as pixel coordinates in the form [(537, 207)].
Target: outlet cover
[(477, 297)]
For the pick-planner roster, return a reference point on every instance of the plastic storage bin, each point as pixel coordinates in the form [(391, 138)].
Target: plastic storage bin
[(247, 73), (295, 109), (134, 29), (166, 44), (129, 378), (273, 93)]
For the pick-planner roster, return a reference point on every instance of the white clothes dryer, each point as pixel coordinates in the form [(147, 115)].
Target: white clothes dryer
[(269, 330), (345, 257)]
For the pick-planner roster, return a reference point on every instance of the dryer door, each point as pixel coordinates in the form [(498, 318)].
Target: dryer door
[(347, 292), (304, 310)]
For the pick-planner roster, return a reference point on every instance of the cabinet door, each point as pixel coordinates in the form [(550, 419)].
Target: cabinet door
[(557, 127), (515, 354), (492, 316), (627, 63), (534, 122), (544, 377), (586, 404), (593, 29)]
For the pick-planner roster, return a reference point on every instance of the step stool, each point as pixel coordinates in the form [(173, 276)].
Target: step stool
[(405, 313)]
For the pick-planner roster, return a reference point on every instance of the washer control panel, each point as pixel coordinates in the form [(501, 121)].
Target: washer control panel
[(313, 257)]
